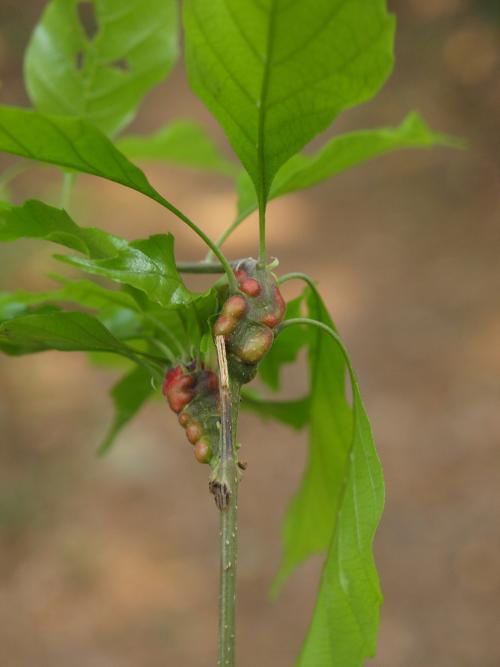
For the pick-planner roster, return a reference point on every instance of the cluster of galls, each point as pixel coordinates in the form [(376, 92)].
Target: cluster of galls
[(193, 393), (249, 318)]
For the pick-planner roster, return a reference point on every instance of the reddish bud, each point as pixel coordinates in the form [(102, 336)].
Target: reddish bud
[(225, 325), (172, 375), (251, 287), (273, 318), (202, 451), (241, 275), (270, 320), (236, 306), (179, 399), (194, 432)]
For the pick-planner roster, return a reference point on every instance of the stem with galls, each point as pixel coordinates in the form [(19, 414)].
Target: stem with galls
[(224, 484)]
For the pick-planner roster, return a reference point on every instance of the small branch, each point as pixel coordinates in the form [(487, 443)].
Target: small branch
[(224, 485), (200, 267), (227, 233), (296, 275), (69, 178), (262, 234), (213, 267), (208, 241)]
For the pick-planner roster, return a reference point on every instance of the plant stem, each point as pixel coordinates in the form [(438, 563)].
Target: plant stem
[(262, 234), (227, 583), (227, 233), (69, 178), (296, 275), (199, 267), (207, 240), (309, 322), (224, 486)]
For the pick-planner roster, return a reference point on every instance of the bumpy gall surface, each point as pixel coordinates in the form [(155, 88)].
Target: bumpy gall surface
[(193, 393), (202, 451), (194, 431), (251, 287), (248, 319)]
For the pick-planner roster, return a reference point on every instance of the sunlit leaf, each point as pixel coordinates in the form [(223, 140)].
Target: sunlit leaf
[(75, 145), (293, 67), (70, 143), (101, 77), (340, 153), (182, 142)]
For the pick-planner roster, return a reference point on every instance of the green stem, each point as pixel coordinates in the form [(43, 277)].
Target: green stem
[(296, 275), (262, 234), (310, 322), (227, 585), (69, 178), (199, 267), (227, 233), (208, 241)]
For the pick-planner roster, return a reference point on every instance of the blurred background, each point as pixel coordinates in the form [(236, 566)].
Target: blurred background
[(114, 562)]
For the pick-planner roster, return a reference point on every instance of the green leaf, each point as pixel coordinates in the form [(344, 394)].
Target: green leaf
[(118, 311), (329, 440), (129, 395), (101, 78), (182, 142), (37, 220), (70, 143), (74, 144), (148, 265), (348, 150), (294, 413), (341, 153), (345, 621), (59, 331), (293, 67)]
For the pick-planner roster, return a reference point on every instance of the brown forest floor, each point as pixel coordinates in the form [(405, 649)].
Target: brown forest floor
[(114, 563)]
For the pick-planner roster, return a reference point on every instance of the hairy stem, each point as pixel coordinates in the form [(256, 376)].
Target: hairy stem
[(224, 486)]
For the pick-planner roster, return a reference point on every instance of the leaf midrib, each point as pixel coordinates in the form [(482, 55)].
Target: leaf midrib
[(261, 157)]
